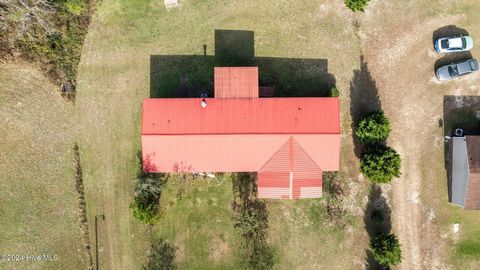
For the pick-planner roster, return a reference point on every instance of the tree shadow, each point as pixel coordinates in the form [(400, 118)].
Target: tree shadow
[(377, 219), (458, 112), (250, 217), (364, 98), (192, 75)]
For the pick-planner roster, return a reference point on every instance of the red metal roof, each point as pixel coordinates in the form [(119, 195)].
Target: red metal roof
[(175, 116), (288, 141), (236, 82), (290, 173), (232, 153)]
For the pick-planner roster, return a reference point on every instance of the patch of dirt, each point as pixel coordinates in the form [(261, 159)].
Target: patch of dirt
[(403, 69), (219, 250), (180, 242)]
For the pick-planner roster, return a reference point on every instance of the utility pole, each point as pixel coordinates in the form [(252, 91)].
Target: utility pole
[(96, 239)]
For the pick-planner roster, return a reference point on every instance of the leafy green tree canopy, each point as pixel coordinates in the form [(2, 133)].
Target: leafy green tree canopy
[(375, 127), (380, 164), (386, 249), (356, 5)]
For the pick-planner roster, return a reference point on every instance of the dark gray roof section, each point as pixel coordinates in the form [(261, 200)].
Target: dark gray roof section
[(460, 170)]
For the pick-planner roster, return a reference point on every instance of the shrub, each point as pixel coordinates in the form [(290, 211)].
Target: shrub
[(144, 213), (48, 32), (380, 164), (147, 190), (162, 255), (250, 219), (257, 255), (252, 222), (356, 5), (145, 205), (386, 249), (375, 127), (334, 92)]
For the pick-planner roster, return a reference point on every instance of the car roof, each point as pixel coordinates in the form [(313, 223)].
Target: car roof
[(455, 43), (464, 67)]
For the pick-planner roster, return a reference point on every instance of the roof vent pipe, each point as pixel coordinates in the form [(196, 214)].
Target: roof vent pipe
[(204, 100)]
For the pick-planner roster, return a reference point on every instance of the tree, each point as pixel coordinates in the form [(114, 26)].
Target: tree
[(356, 5), (380, 164), (386, 249), (375, 127), (162, 255)]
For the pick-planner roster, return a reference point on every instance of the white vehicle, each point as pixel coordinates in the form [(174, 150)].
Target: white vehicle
[(453, 44)]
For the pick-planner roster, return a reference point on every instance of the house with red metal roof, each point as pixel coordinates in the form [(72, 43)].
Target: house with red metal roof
[(288, 142)]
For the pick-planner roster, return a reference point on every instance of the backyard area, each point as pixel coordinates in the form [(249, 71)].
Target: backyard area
[(138, 49)]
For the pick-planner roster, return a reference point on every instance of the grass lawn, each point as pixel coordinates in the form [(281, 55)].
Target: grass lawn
[(138, 49), (197, 219), (38, 204), (459, 111)]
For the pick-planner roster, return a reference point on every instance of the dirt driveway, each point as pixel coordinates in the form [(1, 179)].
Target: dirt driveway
[(401, 59)]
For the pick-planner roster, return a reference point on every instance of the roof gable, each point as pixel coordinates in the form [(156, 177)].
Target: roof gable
[(231, 153), (290, 170)]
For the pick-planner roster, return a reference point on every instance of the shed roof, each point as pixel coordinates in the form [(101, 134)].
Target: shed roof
[(466, 171), (236, 82), (460, 171), (472, 197)]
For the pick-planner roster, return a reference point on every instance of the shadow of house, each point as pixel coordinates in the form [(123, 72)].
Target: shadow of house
[(458, 112), (364, 98), (377, 219), (191, 76)]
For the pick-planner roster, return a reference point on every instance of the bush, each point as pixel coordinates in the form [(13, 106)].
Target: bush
[(257, 255), (52, 34), (145, 205), (162, 255), (386, 249), (334, 92), (250, 219), (380, 164), (252, 222), (374, 128), (144, 213), (356, 5)]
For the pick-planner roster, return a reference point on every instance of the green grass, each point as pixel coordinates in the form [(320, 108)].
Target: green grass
[(38, 202), (197, 218), (469, 247), (116, 73)]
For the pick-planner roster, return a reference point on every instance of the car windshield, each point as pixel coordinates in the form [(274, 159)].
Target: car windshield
[(453, 70), (472, 65), (464, 43), (445, 43)]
